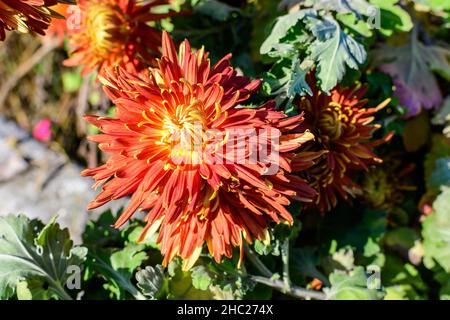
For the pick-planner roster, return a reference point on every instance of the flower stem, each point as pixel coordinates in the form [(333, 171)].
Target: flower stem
[(294, 291), (59, 290), (285, 260), (257, 262), (284, 286)]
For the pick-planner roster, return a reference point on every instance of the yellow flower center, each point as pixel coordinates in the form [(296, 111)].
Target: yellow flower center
[(184, 131), (333, 120), (107, 29)]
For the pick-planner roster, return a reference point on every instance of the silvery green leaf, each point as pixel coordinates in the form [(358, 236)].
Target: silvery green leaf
[(333, 50), (47, 257), (352, 285), (281, 28), (150, 280)]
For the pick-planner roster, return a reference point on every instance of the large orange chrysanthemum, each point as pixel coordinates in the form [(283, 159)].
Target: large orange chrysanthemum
[(343, 131), (115, 32), (170, 150), (27, 15)]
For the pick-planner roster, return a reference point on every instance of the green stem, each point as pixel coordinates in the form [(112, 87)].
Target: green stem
[(257, 262), (293, 291), (60, 291), (122, 281), (285, 260)]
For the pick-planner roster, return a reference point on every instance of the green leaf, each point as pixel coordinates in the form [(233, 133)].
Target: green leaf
[(297, 81), (401, 292), (71, 81), (441, 173), (402, 238), (33, 290), (402, 280), (281, 28), (437, 6), (118, 266), (128, 259), (229, 282), (287, 81), (392, 17), (181, 287), (332, 51), (351, 21), (366, 231), (443, 278), (200, 278), (351, 285), (215, 9), (443, 117), (436, 233), (262, 249), (357, 7), (345, 257), (99, 233), (150, 280), (440, 149), (305, 259), (45, 257)]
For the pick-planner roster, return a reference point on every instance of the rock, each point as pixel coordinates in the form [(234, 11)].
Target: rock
[(40, 183), (11, 164), (10, 129)]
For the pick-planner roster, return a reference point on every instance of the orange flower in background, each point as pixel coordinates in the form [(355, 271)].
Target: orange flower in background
[(174, 145), (343, 130), (113, 32), (58, 27), (27, 15)]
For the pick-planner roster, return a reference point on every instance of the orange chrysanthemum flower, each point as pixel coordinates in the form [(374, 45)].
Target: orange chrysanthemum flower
[(180, 147), (58, 27), (343, 131), (27, 15), (113, 32)]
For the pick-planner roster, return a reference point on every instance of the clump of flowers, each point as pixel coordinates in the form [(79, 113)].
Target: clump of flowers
[(385, 186), (26, 16), (183, 151), (343, 129), (113, 32)]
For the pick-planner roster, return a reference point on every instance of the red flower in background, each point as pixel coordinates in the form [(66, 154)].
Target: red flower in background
[(113, 32), (167, 145), (343, 131), (42, 131), (27, 15)]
